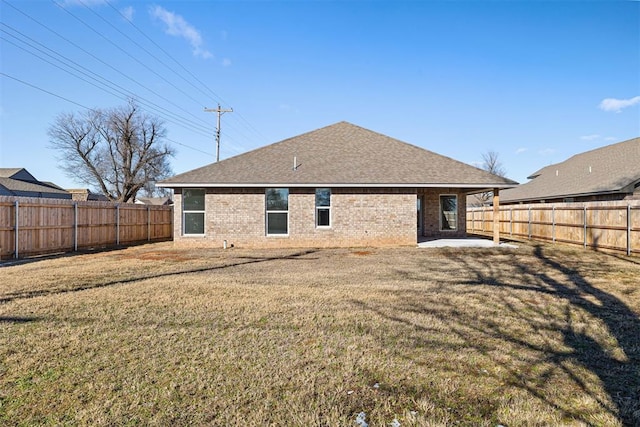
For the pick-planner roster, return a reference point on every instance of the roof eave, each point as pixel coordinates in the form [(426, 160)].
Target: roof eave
[(564, 196), (480, 187)]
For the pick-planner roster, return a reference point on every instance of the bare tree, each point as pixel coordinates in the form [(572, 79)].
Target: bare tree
[(491, 163), (119, 150)]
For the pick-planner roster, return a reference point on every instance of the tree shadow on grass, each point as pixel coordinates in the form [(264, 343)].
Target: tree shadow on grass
[(555, 342), (243, 260), (18, 319), (619, 374), (620, 378)]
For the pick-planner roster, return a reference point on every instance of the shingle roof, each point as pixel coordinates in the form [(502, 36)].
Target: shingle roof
[(18, 186), (9, 172), (19, 182), (340, 155), (607, 169)]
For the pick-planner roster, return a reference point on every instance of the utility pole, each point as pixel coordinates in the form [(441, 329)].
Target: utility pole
[(220, 112)]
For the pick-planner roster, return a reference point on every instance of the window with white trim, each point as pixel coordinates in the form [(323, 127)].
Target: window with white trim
[(277, 211), (323, 207), (193, 211), (448, 212)]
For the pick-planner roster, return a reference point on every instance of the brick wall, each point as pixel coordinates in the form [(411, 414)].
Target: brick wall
[(431, 212), (359, 217)]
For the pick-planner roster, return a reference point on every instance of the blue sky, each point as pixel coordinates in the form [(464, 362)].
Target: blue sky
[(535, 81)]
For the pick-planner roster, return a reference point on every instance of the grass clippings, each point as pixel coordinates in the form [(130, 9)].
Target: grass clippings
[(157, 334)]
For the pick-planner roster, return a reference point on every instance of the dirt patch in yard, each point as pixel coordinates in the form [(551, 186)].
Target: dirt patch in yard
[(168, 255), (362, 253)]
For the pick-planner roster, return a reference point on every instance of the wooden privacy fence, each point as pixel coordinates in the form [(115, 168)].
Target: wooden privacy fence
[(31, 226), (605, 225)]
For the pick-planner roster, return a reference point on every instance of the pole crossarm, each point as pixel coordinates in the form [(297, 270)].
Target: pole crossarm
[(219, 111)]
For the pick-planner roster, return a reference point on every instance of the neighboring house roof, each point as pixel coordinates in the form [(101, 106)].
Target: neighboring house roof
[(24, 188), (155, 201), (344, 155), (17, 173), (19, 182), (607, 170)]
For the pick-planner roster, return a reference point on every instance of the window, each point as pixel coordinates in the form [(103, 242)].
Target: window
[(449, 212), (277, 211), (323, 207), (193, 211)]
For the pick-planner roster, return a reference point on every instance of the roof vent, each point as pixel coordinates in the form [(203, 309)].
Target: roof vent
[(557, 171), (589, 168)]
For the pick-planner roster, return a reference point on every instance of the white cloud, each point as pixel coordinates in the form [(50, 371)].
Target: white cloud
[(128, 12), (616, 105), (226, 62), (521, 150), (547, 151), (175, 25), (590, 137), (611, 138)]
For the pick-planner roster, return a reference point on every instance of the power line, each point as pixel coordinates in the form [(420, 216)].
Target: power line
[(82, 106), (142, 48), (204, 127), (45, 91), (153, 56), (123, 51), (122, 93), (215, 95), (185, 145), (110, 87)]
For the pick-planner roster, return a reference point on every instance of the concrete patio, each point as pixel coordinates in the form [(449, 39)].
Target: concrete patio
[(467, 242)]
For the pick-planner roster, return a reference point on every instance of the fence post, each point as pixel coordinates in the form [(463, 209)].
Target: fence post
[(118, 225), (553, 224), (75, 227), (585, 226), (16, 228), (511, 221), (529, 222), (629, 230), (148, 223)]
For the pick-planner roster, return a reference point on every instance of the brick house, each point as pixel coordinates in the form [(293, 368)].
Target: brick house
[(338, 186)]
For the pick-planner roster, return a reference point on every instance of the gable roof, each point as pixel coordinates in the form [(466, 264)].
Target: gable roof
[(19, 182), (20, 188), (344, 155), (614, 168), (17, 173)]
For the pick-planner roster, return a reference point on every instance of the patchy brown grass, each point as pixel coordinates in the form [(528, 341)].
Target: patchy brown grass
[(429, 337)]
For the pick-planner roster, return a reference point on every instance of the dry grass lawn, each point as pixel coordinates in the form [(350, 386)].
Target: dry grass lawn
[(159, 335)]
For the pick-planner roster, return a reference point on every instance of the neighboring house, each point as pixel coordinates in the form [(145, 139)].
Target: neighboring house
[(84, 194), (19, 182), (606, 173), (337, 186)]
